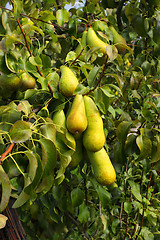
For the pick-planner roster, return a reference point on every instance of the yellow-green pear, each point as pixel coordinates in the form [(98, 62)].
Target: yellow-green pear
[(103, 169), (118, 40), (27, 81), (68, 81), (62, 133), (77, 120), (9, 82), (94, 136), (94, 41), (77, 155), (82, 46)]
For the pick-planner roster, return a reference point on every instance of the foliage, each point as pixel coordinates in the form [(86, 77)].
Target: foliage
[(55, 201)]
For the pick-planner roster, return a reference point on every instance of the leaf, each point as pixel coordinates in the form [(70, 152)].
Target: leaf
[(36, 61), (135, 189), (147, 234), (128, 207), (49, 156), (3, 220), (62, 16), (83, 213), (20, 131), (104, 196), (25, 107), (77, 197), (145, 146), (92, 76), (112, 52), (6, 189), (107, 91), (49, 131), (122, 130)]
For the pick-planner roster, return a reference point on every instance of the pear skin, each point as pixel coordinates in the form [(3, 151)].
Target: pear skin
[(27, 81), (94, 136), (77, 155), (68, 81), (77, 120), (94, 41), (103, 169), (118, 40), (82, 45), (9, 82), (62, 133)]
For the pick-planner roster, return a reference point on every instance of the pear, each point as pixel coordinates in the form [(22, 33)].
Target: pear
[(94, 136), (77, 120), (9, 82), (62, 133), (118, 40), (68, 81), (82, 45), (27, 81), (103, 169), (77, 155), (94, 41)]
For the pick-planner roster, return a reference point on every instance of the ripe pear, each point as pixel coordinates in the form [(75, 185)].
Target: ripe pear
[(103, 169), (68, 81), (77, 120), (82, 45), (77, 155), (118, 40), (94, 136), (27, 81), (94, 41)]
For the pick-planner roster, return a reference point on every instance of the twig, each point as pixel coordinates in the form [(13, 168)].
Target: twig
[(6, 152), (77, 57)]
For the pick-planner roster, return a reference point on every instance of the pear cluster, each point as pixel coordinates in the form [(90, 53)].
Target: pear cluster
[(85, 125)]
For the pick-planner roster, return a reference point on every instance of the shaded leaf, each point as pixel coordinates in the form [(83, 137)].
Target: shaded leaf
[(145, 146), (77, 197), (6, 189), (20, 131), (83, 213), (122, 130), (92, 76)]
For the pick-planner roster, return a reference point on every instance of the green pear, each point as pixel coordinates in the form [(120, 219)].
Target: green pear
[(82, 46), (103, 169), (68, 81), (62, 133), (94, 41), (118, 40), (94, 136), (9, 82), (77, 155), (27, 81), (77, 120)]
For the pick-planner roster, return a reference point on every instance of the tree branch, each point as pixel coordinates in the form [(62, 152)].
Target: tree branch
[(6, 152)]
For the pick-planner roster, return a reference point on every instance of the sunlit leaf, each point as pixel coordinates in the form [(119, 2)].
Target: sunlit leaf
[(62, 16), (83, 213), (3, 220), (145, 146)]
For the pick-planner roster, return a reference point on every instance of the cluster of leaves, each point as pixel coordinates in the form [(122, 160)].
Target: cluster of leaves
[(54, 201)]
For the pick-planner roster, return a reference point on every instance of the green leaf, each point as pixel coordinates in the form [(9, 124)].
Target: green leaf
[(128, 207), (92, 76), (49, 156), (147, 235), (36, 61), (135, 189), (83, 213), (49, 131), (77, 197), (145, 146), (62, 16), (18, 7), (6, 189), (107, 91), (25, 107), (122, 130), (20, 131), (112, 52)]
